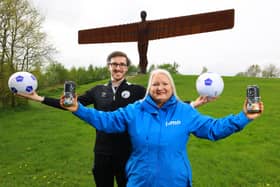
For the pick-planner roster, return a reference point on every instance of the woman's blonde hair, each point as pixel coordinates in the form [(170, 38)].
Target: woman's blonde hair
[(164, 72)]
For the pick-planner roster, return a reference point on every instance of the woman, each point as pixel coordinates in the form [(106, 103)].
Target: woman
[(159, 127)]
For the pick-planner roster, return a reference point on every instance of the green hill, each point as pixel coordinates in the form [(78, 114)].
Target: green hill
[(43, 146)]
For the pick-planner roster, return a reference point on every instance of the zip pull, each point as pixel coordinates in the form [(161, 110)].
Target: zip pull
[(114, 91)]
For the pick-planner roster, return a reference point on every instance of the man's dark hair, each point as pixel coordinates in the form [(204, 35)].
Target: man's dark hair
[(116, 54)]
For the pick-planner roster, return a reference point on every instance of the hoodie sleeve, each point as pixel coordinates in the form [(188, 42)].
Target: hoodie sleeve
[(215, 129), (109, 122)]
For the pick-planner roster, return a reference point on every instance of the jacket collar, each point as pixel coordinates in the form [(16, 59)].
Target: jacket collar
[(122, 83), (149, 105)]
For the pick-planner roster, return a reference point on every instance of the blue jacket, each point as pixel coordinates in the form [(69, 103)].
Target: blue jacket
[(159, 137)]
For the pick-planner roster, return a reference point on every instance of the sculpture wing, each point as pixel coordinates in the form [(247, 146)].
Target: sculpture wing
[(118, 33), (162, 28), (192, 24)]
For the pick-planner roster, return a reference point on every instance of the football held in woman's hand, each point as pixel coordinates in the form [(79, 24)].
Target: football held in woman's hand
[(209, 84)]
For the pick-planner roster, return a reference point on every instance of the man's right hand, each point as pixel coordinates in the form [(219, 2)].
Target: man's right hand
[(201, 100), (33, 96)]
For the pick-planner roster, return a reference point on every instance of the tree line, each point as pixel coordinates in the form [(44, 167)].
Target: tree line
[(269, 71), (55, 73)]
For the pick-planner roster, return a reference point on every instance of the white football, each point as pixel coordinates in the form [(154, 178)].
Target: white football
[(209, 84), (22, 82)]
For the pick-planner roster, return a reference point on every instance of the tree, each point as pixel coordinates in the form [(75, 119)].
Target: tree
[(270, 71), (23, 47), (55, 73), (132, 70), (253, 71), (172, 68), (204, 70), (152, 67), (4, 33)]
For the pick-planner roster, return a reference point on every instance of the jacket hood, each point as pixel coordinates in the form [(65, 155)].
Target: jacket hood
[(149, 104)]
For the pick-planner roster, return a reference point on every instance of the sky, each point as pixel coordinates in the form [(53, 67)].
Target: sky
[(254, 38)]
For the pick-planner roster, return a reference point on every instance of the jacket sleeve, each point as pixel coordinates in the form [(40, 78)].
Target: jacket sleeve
[(215, 129), (85, 99), (88, 97), (109, 122), (52, 102)]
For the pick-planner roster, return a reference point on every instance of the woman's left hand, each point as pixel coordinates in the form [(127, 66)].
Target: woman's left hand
[(253, 115)]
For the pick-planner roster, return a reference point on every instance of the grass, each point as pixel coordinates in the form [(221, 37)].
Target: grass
[(43, 146)]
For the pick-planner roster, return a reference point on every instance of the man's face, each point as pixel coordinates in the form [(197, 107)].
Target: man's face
[(118, 68), (161, 88)]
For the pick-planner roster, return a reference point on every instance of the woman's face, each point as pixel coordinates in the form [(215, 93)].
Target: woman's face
[(161, 89)]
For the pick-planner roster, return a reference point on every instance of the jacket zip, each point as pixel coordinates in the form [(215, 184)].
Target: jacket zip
[(114, 91)]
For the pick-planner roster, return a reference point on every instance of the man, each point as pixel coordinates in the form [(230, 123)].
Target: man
[(111, 150)]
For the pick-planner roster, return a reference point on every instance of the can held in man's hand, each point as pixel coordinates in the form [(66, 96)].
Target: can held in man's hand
[(69, 93)]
